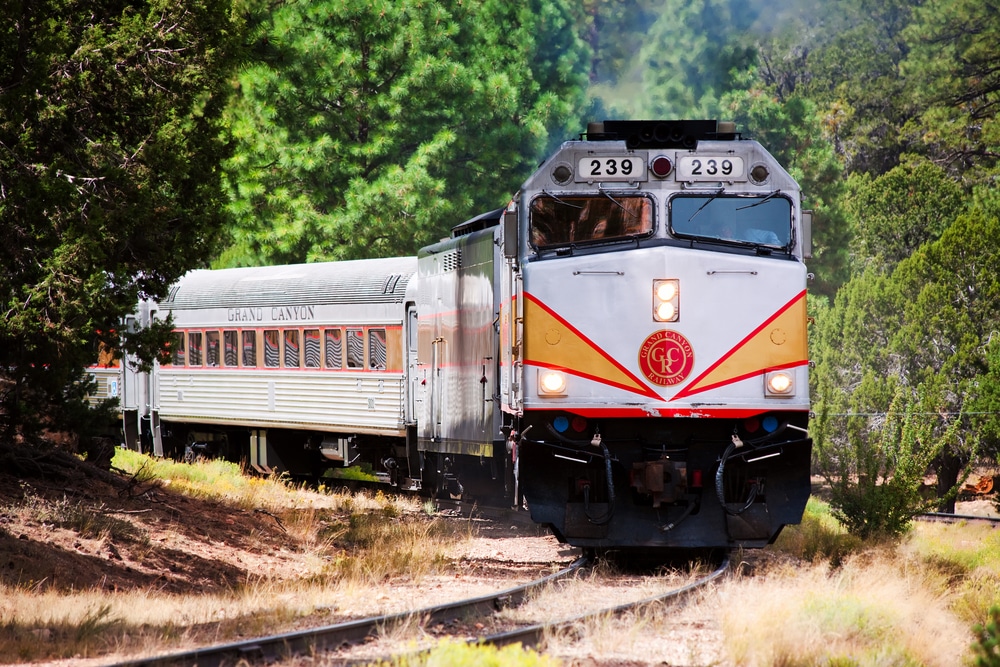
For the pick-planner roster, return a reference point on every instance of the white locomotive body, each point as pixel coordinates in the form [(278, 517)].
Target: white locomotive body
[(659, 363)]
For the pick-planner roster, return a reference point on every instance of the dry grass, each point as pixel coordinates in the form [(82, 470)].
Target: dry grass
[(818, 597), (966, 557), (321, 547), (875, 609)]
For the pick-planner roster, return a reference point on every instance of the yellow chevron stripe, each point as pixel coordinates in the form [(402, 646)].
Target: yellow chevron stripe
[(780, 342), (552, 342)]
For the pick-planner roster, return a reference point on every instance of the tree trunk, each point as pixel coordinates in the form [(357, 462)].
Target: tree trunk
[(948, 468)]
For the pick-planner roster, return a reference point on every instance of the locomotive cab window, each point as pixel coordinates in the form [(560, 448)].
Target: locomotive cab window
[(761, 220), (568, 219)]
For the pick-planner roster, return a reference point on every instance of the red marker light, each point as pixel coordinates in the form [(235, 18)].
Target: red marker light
[(661, 166)]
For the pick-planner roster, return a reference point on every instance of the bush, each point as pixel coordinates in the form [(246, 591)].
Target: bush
[(877, 473), (987, 645)]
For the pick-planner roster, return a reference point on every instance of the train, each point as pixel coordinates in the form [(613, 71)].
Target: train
[(621, 351)]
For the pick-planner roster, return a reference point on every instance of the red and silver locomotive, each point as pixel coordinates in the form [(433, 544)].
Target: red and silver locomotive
[(622, 349)]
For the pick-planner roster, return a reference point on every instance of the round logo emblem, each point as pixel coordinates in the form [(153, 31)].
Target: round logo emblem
[(666, 358)]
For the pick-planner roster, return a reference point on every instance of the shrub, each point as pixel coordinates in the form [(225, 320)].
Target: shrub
[(876, 474), (987, 645)]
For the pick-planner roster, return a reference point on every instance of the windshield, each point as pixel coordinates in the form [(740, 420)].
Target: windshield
[(761, 220), (564, 220)]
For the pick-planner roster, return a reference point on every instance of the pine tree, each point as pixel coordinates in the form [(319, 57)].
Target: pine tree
[(371, 127), (109, 180)]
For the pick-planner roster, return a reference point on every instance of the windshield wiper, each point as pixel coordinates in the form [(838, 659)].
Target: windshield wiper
[(616, 202), (759, 202), (707, 202), (564, 203)]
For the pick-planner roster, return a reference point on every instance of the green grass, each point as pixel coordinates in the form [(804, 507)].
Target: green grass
[(818, 536), (967, 558), (451, 653)]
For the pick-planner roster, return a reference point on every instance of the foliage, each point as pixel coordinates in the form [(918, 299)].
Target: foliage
[(929, 321), (370, 128), (952, 69), (110, 145), (900, 210), (789, 129), (876, 474), (362, 473), (853, 77), (690, 54), (874, 608), (612, 28), (987, 644)]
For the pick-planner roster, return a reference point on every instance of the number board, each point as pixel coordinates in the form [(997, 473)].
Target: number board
[(611, 168), (711, 168)]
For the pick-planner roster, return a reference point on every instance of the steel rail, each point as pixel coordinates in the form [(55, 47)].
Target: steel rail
[(532, 635), (306, 642), (944, 517)]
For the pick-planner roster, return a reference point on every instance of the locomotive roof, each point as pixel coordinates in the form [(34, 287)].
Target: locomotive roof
[(349, 282)]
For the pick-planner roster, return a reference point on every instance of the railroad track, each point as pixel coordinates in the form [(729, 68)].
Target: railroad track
[(342, 636), (306, 642), (943, 517), (533, 635)]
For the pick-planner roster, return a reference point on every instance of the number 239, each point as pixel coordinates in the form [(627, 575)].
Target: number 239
[(610, 167), (711, 167)]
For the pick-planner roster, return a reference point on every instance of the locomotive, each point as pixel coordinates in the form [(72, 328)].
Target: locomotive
[(621, 350)]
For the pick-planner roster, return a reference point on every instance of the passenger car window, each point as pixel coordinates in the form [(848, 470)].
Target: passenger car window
[(311, 342), (334, 357), (376, 349), (355, 348), (212, 348), (177, 350), (230, 341), (272, 343), (291, 348), (194, 348), (250, 349)]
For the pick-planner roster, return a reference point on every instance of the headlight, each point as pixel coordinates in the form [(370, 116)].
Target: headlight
[(666, 300), (551, 383), (779, 384)]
